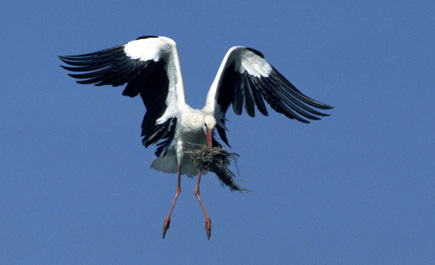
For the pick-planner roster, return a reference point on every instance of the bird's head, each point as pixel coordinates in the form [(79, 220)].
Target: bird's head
[(209, 125)]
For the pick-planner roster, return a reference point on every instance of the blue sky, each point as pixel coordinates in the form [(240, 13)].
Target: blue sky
[(354, 188)]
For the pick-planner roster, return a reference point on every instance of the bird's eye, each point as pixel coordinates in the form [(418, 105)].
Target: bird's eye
[(205, 125)]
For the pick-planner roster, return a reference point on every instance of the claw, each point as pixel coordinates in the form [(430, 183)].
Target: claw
[(208, 227), (166, 226)]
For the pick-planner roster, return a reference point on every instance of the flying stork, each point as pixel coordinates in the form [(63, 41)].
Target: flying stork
[(150, 67)]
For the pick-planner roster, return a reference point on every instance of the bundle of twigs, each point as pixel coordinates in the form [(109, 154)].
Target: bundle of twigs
[(216, 160)]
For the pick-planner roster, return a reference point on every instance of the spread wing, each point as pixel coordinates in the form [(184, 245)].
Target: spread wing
[(246, 80), (150, 67)]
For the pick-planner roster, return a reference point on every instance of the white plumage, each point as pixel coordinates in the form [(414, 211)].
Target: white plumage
[(189, 134), (150, 67)]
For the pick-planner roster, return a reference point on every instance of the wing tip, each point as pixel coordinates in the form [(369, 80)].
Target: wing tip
[(328, 107)]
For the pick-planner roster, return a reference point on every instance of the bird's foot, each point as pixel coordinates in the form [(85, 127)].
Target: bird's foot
[(208, 227), (166, 226)]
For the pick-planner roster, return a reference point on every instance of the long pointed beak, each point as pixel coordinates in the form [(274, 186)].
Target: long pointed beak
[(209, 134)]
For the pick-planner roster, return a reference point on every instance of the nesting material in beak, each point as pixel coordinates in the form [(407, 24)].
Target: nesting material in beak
[(216, 159)]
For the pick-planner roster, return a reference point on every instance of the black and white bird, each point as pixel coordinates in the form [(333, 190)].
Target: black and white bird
[(150, 67)]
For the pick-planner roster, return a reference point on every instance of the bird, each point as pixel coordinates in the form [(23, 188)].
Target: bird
[(150, 67)]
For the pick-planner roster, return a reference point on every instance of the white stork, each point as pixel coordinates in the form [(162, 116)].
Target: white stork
[(150, 66)]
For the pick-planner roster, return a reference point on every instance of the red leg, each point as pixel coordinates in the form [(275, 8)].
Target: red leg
[(207, 219), (177, 191)]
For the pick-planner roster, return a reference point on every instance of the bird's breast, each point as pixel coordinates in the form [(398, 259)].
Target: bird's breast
[(191, 137)]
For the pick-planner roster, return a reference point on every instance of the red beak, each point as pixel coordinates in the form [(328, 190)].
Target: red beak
[(209, 134)]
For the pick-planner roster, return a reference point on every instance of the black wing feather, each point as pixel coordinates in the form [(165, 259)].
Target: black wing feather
[(258, 99), (247, 97)]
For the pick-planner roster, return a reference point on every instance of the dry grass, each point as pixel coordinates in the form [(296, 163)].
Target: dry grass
[(216, 160)]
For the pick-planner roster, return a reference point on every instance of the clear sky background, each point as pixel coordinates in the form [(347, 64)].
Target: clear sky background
[(354, 188)]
